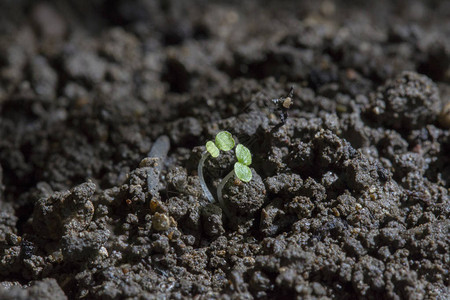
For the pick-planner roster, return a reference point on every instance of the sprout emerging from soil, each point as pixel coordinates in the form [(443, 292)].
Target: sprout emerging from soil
[(241, 170), (224, 141)]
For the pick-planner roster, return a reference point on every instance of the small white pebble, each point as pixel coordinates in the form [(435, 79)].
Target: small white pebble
[(103, 252)]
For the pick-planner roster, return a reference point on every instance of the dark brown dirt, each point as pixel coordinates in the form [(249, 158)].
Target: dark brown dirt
[(349, 197)]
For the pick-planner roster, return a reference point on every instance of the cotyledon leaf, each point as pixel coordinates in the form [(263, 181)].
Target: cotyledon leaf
[(224, 141), (242, 172), (212, 149), (243, 155)]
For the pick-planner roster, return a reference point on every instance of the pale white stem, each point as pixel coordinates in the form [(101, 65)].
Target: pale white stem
[(219, 192), (206, 191)]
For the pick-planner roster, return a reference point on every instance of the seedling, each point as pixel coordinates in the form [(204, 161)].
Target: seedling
[(224, 141), (241, 170)]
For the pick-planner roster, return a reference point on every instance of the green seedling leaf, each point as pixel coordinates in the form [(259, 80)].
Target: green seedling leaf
[(242, 172), (224, 141), (243, 155), (212, 149)]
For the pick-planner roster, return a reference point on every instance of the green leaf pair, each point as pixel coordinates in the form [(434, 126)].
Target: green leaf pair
[(241, 168), (224, 141)]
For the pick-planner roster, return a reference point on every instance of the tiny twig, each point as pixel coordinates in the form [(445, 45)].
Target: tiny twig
[(283, 104)]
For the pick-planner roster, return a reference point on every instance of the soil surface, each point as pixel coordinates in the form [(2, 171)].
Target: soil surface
[(105, 108)]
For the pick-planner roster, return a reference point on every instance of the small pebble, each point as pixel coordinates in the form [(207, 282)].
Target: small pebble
[(161, 222)]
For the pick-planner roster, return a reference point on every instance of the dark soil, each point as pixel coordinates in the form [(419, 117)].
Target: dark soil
[(104, 110)]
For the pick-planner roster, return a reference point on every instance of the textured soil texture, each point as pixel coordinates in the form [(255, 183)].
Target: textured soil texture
[(105, 108)]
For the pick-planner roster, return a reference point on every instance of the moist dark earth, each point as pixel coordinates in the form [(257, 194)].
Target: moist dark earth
[(105, 108)]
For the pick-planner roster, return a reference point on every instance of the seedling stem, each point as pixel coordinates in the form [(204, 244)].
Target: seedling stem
[(205, 189)]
